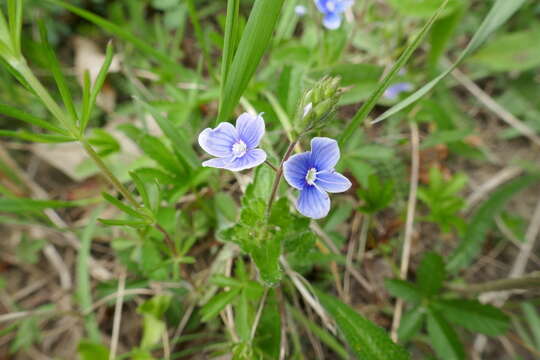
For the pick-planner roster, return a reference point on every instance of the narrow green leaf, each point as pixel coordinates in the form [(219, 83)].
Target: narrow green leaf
[(230, 41), (96, 87), (15, 15), (30, 119), (501, 11), (411, 323), (366, 108), (482, 221), (367, 340), (218, 303), (119, 31), (325, 336), (58, 75), (35, 137), (254, 41), (474, 316), (533, 318), (141, 188), (403, 289), (444, 339), (89, 350), (23, 204), (431, 274), (121, 206)]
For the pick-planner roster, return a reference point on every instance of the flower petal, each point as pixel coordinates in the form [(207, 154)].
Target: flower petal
[(321, 5), (313, 202), (332, 181), (250, 129), (324, 153), (295, 170), (219, 163), (252, 158), (343, 5), (332, 20), (219, 141)]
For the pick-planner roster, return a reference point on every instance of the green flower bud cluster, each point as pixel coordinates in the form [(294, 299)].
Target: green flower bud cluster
[(318, 104)]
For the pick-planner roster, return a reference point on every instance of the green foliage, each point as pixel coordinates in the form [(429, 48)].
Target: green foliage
[(430, 306), (443, 200), (153, 322), (481, 222), (377, 195), (89, 350), (367, 340)]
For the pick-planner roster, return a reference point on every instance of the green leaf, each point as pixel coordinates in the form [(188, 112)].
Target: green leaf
[(121, 206), (366, 108), (218, 303), (58, 75), (443, 338), (411, 323), (89, 350), (96, 88), (474, 316), (501, 11), (533, 318), (153, 323), (431, 274), (255, 39), (511, 51), (35, 137), (230, 41), (423, 8), (15, 205), (30, 119), (28, 249), (403, 289), (367, 340), (482, 222)]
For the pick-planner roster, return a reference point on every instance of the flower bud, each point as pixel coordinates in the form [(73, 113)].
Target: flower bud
[(317, 104)]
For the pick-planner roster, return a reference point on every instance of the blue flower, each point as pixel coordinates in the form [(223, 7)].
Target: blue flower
[(395, 90), (235, 148), (313, 174), (332, 10)]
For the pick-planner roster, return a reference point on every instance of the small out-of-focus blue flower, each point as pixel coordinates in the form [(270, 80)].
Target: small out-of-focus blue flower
[(235, 148), (300, 10), (395, 90), (313, 174), (332, 11)]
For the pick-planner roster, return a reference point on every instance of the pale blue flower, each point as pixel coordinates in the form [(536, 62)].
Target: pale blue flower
[(332, 11), (395, 90), (235, 148), (313, 174), (300, 10)]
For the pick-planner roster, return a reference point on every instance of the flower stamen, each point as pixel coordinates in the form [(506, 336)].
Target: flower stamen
[(239, 149), (311, 176)]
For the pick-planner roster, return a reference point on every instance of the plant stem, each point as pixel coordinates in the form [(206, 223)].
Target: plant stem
[(279, 173), (271, 165), (363, 236), (529, 281), (109, 175), (259, 313)]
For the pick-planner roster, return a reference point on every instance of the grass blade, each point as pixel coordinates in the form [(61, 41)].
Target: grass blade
[(501, 11), (230, 41), (41, 138), (364, 111), (254, 41)]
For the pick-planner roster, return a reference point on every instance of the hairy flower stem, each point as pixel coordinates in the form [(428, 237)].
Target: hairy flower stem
[(279, 174)]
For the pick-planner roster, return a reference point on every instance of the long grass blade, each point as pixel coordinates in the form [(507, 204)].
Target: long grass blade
[(254, 41), (501, 11), (364, 111)]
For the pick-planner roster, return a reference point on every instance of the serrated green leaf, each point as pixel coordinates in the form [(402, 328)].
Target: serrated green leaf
[(367, 340), (482, 221), (474, 316), (431, 274), (444, 339)]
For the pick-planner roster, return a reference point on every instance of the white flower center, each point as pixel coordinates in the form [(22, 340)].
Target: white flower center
[(239, 149), (331, 6), (311, 176)]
